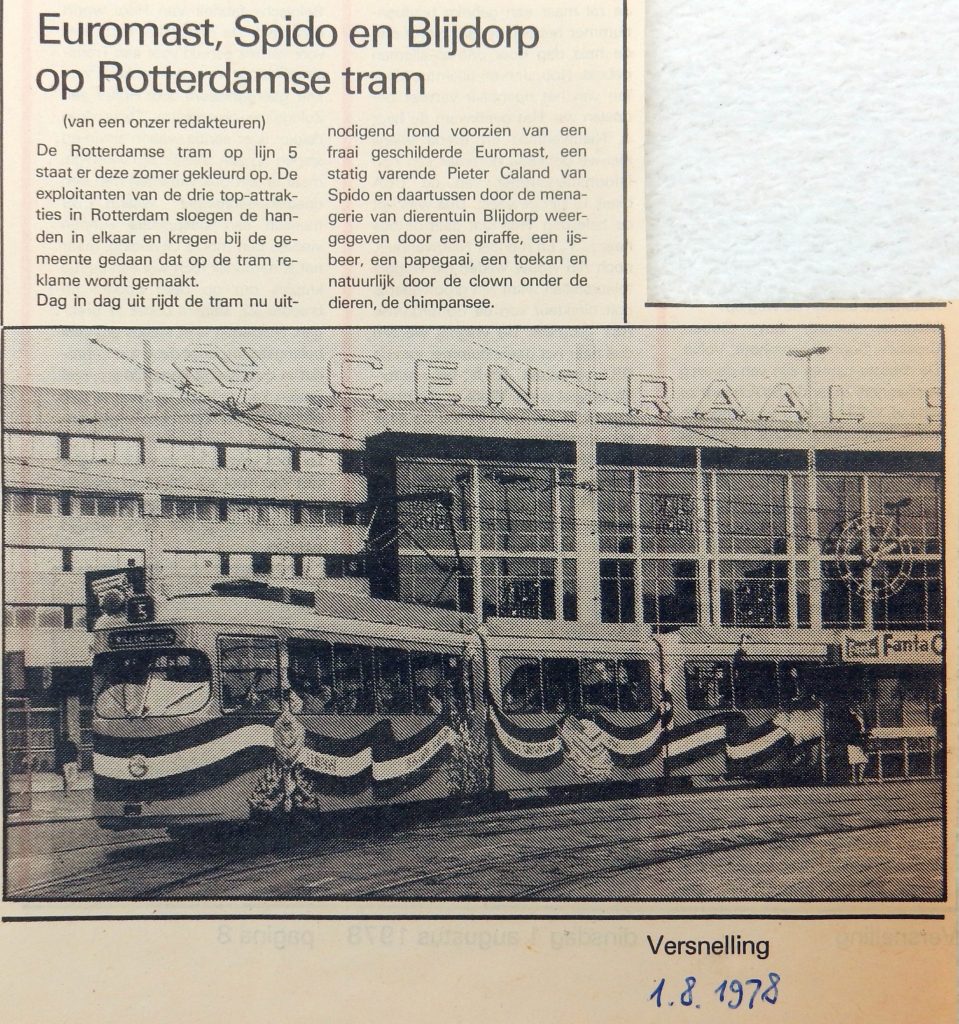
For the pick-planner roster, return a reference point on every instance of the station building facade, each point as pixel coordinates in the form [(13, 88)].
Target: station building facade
[(685, 536), (495, 511)]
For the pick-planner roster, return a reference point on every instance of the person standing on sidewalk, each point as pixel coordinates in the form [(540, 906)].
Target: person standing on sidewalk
[(855, 730), (69, 763)]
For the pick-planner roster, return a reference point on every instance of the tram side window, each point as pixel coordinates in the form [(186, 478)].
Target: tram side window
[(599, 683), (522, 685), (394, 682), (311, 675), (560, 684), (429, 683), (755, 685), (420, 683), (249, 673), (353, 675), (635, 689), (708, 685), (557, 685), (530, 687), (352, 679), (616, 685)]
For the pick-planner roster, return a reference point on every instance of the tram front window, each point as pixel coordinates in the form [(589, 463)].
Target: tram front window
[(148, 684)]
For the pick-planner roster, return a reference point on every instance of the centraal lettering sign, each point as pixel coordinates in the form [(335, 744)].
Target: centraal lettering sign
[(902, 648), (442, 381)]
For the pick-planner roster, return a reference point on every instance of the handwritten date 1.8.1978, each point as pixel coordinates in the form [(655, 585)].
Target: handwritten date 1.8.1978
[(733, 993)]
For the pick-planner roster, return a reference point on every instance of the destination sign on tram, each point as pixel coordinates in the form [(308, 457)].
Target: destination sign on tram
[(893, 647), (141, 638)]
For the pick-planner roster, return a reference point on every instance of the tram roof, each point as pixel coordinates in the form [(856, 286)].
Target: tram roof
[(333, 611), (507, 632), (514, 626)]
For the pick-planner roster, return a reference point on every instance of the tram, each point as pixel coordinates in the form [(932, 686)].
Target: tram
[(572, 705), (745, 705), (769, 705), (227, 705), (251, 700)]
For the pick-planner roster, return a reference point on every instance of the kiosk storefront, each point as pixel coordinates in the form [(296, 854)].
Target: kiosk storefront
[(895, 678)]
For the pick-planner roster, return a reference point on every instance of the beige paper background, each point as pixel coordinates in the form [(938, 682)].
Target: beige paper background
[(500, 961), (574, 76)]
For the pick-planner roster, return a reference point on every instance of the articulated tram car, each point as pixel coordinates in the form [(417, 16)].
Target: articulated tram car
[(746, 707), (774, 704), (571, 705), (225, 705)]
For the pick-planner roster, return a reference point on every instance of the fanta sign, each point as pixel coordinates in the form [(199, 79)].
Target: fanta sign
[(900, 648)]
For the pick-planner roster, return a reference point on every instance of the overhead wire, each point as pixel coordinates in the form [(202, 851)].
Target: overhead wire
[(598, 393), (191, 491), (257, 422), (517, 516), (194, 493), (225, 408), (69, 466), (70, 425), (263, 422)]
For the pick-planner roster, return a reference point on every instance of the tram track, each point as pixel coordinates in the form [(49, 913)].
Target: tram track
[(835, 816), (307, 856), (119, 844), (109, 875), (468, 831), (113, 879), (837, 809), (540, 892), (553, 847), (273, 858), (38, 889), (509, 866)]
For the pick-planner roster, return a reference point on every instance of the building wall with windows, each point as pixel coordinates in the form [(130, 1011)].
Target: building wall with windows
[(720, 537), (87, 487)]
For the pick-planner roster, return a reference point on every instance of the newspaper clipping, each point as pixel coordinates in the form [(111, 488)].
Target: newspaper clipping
[(403, 616)]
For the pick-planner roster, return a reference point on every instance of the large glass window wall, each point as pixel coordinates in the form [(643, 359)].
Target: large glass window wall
[(675, 546)]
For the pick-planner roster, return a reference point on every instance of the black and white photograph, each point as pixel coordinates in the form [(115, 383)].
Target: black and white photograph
[(478, 614)]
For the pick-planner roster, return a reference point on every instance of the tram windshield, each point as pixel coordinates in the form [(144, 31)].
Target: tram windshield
[(148, 684)]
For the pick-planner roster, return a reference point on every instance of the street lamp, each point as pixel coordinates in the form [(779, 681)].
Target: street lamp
[(812, 497)]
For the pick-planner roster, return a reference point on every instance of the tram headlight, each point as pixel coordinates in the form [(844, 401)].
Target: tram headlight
[(137, 766)]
